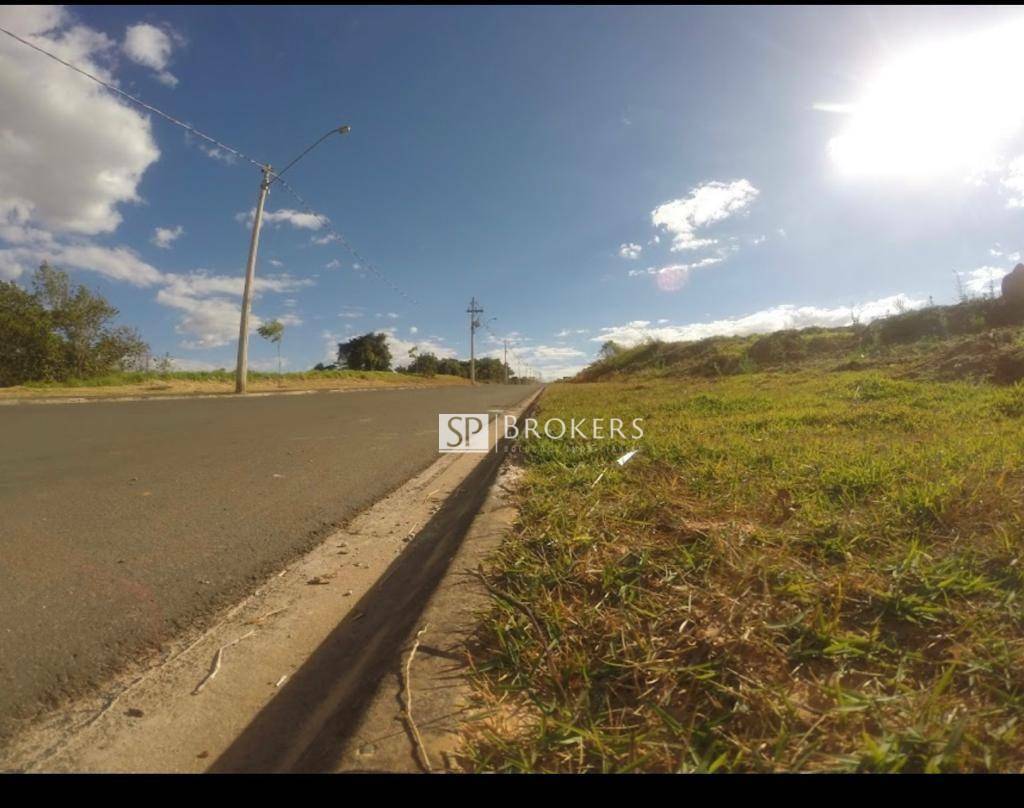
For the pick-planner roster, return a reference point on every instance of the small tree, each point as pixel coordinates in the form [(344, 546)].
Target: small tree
[(61, 330), (29, 349), (164, 364), (424, 364), (610, 349), (961, 292), (273, 332), (368, 352), (450, 366)]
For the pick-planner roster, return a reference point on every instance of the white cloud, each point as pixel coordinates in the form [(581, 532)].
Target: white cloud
[(70, 152), (200, 282), (275, 263), (400, 348), (331, 340), (116, 263), (16, 226), (327, 238), (151, 47), (551, 361), (630, 251), (760, 322), (211, 304), (983, 281), (207, 322), (163, 237), (296, 218), (568, 332), (269, 364), (1014, 182), (186, 363), (333, 264), (12, 265), (706, 205), (413, 329), (217, 153), (554, 352), (1013, 257), (835, 108), (674, 276)]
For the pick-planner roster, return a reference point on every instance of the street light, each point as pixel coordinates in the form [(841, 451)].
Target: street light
[(341, 130), (268, 179)]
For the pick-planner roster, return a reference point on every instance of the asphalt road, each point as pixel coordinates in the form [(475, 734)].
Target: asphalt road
[(122, 523)]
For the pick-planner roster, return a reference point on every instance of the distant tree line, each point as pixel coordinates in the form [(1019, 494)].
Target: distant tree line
[(370, 352), (61, 330)]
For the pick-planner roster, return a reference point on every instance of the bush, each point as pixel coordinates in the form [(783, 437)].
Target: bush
[(368, 352), (912, 326), (61, 330), (774, 349)]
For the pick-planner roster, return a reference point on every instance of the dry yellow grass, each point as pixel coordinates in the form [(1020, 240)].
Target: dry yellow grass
[(152, 385)]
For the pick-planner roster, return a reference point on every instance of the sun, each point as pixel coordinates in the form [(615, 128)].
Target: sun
[(944, 108)]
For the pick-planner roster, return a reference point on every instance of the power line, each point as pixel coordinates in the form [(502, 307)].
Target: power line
[(519, 359), (326, 224), (135, 100), (238, 153)]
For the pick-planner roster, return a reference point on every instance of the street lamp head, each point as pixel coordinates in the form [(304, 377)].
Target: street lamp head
[(344, 130)]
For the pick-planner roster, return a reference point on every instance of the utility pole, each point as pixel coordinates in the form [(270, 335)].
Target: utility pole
[(474, 324), (242, 368), (506, 360)]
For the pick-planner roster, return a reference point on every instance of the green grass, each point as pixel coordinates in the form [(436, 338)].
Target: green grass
[(798, 571), (979, 339)]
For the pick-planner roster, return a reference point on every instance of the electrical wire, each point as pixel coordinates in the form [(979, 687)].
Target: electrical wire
[(236, 152), (135, 100), (515, 356), (325, 223)]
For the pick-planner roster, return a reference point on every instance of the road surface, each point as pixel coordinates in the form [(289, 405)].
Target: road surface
[(124, 522)]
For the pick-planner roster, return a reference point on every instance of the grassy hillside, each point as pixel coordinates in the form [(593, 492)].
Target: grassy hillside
[(977, 339), (818, 569)]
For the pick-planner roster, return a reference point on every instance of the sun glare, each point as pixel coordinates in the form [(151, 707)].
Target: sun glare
[(944, 108)]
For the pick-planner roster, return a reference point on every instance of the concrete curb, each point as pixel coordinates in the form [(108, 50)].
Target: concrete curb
[(345, 693)]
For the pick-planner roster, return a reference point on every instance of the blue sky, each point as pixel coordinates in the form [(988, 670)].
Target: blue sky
[(586, 173)]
